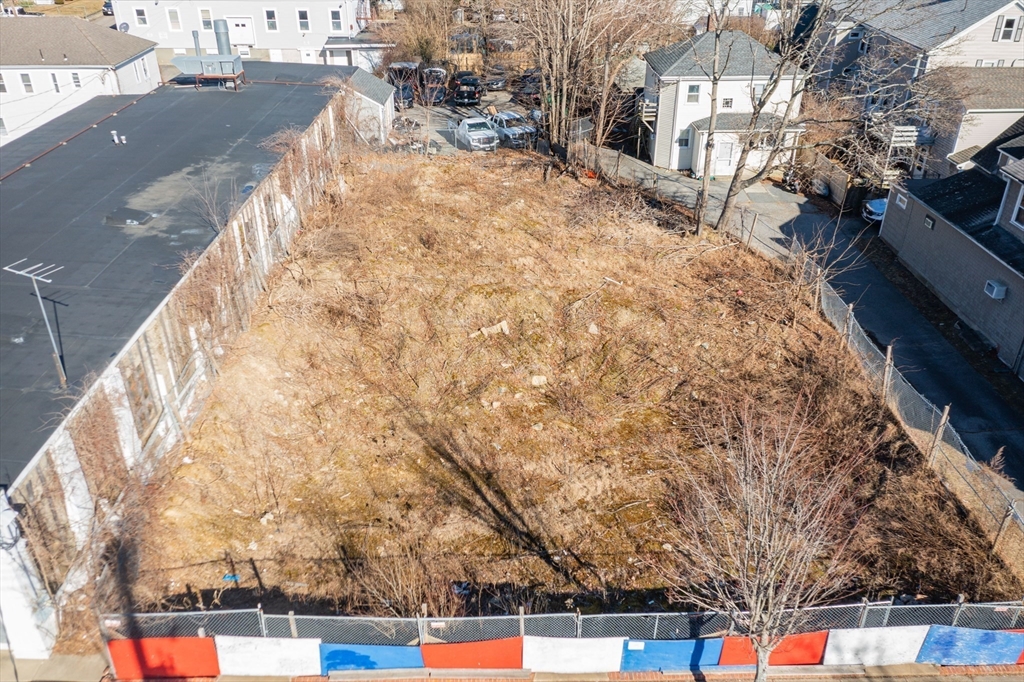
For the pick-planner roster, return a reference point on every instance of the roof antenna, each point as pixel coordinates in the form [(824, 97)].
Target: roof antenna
[(41, 57)]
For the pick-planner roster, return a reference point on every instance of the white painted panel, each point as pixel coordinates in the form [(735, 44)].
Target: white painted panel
[(875, 646), (77, 500), (265, 656), (558, 655), (128, 436)]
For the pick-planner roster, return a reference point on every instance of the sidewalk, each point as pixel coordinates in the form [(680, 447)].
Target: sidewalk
[(55, 669), (931, 364)]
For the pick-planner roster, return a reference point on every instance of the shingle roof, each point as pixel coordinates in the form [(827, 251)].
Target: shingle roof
[(65, 41), (925, 23), (740, 54), (1012, 139), (370, 86), (970, 201), (964, 155), (739, 121), (990, 88), (1015, 170)]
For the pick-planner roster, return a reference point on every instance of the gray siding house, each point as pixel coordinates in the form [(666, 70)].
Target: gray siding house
[(963, 236)]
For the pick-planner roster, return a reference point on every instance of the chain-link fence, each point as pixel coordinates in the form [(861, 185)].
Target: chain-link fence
[(412, 631)]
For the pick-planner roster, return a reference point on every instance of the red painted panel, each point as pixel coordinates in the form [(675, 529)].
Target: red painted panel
[(1020, 660), (496, 653), (137, 659), (806, 649)]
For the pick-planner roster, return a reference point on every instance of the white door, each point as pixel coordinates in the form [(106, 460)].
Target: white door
[(308, 56), (723, 160), (240, 31)]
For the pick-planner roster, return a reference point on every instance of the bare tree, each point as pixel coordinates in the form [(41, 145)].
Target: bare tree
[(763, 521)]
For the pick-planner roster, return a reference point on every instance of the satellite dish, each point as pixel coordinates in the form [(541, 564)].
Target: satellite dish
[(123, 27)]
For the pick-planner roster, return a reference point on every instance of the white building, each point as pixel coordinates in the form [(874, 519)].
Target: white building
[(50, 65), (306, 31), (677, 102)]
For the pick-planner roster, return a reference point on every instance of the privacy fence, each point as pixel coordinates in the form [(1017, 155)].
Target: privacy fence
[(992, 501), (253, 643), (145, 401)]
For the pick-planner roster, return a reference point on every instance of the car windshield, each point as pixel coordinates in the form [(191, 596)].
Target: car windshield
[(477, 126), (514, 119)]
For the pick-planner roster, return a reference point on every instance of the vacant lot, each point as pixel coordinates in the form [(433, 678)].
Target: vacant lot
[(467, 387)]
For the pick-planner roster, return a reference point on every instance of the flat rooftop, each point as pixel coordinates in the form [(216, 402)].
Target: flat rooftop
[(181, 144)]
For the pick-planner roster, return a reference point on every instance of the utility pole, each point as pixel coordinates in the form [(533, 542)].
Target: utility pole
[(38, 273)]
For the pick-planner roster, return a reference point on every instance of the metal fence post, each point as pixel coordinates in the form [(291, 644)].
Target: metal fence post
[(887, 375), (938, 435), (750, 235), (291, 625), (1016, 614), (522, 622), (1010, 511), (579, 624), (421, 625), (263, 621), (888, 610), (959, 609), (863, 613), (847, 327), (656, 619)]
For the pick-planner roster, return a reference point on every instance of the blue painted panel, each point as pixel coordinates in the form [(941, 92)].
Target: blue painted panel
[(654, 655), (961, 646), (368, 657)]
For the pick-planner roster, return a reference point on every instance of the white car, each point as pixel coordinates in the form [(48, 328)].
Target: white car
[(513, 130), (476, 133), (873, 211)]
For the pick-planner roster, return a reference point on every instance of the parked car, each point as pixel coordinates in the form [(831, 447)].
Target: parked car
[(457, 78), (874, 210), (433, 95), (403, 72), (527, 95), (108, 8), (468, 91), (405, 96), (496, 82), (513, 130), (476, 133)]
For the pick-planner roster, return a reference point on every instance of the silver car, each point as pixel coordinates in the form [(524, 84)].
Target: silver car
[(476, 133), (513, 129)]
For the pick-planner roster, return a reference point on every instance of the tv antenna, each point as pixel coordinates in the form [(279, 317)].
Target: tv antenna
[(39, 273)]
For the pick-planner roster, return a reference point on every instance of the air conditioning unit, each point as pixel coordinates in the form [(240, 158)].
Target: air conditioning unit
[(996, 290)]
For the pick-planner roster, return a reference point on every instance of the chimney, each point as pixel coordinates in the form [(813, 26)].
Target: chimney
[(195, 39), (220, 29)]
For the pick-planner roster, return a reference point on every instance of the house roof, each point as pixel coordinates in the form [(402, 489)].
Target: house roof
[(1012, 139), (1015, 170), (964, 155), (731, 121), (361, 39), (925, 23), (740, 54), (363, 82), (970, 202), (65, 41), (990, 88)]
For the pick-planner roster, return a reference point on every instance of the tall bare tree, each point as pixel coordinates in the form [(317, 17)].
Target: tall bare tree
[(762, 521)]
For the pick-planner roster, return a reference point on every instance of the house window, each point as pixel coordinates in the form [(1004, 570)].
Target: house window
[(901, 200), (1007, 28), (856, 35), (865, 45), (929, 222), (173, 19), (26, 83), (56, 85), (145, 69), (75, 80), (1018, 212), (336, 20), (990, 62), (727, 102), (3, 86), (138, 74), (758, 91), (692, 94), (206, 19), (303, 19), (140, 17), (271, 15), (684, 139)]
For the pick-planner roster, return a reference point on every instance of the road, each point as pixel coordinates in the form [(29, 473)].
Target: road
[(928, 361)]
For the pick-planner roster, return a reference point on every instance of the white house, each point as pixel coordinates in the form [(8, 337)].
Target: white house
[(306, 31), (677, 101), (692, 11), (50, 65)]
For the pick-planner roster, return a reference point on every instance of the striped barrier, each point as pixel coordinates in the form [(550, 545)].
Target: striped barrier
[(670, 655), (191, 657), (945, 645), (156, 657), (492, 654), (262, 656), (368, 657), (875, 646)]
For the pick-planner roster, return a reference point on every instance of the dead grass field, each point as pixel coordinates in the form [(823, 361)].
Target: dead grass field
[(465, 375)]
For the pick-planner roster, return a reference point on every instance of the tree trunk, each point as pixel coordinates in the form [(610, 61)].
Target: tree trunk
[(701, 209), (734, 189), (761, 673)]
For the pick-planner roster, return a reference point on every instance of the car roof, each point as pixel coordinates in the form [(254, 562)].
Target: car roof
[(475, 119), (508, 114)]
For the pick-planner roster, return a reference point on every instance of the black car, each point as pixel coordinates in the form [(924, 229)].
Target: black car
[(405, 96), (108, 9), (433, 95), (468, 91), (457, 78)]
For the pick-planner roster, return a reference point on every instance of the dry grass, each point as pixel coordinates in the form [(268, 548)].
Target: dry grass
[(367, 445)]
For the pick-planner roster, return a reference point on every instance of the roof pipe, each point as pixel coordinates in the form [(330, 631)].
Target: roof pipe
[(220, 29), (195, 39)]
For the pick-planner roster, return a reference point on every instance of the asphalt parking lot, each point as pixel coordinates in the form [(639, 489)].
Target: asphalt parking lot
[(434, 120)]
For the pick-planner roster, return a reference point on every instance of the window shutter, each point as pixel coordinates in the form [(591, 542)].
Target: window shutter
[(999, 27), (1020, 25)]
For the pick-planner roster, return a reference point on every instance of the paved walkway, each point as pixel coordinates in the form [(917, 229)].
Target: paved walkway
[(928, 361)]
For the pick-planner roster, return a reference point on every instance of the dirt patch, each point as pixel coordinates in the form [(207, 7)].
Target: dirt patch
[(466, 387)]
